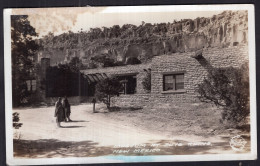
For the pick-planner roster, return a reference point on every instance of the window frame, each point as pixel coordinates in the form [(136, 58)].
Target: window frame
[(174, 74), (124, 84), (32, 87)]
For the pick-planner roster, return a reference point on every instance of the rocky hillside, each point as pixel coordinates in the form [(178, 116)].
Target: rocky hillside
[(131, 44)]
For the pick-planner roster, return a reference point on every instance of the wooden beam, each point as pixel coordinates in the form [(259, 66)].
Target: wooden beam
[(100, 77), (95, 77), (90, 78)]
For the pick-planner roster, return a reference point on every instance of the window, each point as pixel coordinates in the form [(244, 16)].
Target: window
[(129, 84), (31, 85), (173, 82)]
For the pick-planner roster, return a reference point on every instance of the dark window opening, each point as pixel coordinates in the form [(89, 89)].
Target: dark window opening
[(91, 89), (173, 82), (31, 85), (129, 84)]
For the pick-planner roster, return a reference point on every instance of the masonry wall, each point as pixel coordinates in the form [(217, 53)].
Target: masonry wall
[(39, 96), (194, 71)]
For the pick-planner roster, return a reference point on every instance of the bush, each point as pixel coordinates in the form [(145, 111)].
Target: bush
[(107, 88), (133, 61), (16, 120), (147, 81), (104, 60), (229, 88)]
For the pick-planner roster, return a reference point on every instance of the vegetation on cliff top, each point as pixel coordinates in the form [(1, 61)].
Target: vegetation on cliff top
[(118, 44)]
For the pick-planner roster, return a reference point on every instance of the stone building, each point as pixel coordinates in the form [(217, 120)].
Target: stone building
[(174, 77)]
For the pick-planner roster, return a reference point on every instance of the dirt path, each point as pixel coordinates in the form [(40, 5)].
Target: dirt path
[(95, 134), (40, 124)]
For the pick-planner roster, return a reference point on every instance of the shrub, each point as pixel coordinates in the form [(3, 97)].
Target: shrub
[(104, 60), (229, 88), (147, 81), (16, 120), (133, 61), (107, 88)]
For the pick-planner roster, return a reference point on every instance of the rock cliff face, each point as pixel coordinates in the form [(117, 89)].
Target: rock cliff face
[(230, 28)]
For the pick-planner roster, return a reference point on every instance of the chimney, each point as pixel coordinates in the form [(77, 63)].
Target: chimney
[(45, 63)]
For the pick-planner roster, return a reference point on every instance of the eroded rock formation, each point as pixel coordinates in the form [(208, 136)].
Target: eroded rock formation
[(229, 28)]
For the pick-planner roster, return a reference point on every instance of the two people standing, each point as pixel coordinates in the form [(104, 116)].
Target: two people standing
[(62, 111)]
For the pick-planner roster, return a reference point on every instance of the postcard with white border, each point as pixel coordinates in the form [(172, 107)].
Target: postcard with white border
[(130, 84)]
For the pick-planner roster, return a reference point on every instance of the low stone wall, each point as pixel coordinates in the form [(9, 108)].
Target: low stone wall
[(131, 100), (151, 100)]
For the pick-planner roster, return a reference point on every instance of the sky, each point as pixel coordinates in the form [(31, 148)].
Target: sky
[(60, 20)]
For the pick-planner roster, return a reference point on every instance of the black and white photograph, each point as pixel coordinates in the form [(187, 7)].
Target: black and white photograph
[(130, 84)]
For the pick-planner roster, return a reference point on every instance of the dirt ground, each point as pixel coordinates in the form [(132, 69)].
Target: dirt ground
[(162, 130)]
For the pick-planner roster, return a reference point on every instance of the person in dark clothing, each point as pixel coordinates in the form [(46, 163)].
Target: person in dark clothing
[(94, 102), (59, 112), (66, 107)]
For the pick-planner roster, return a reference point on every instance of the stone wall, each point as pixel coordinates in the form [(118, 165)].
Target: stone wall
[(194, 70), (131, 100), (39, 96)]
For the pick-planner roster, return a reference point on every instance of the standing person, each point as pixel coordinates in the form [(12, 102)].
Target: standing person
[(66, 107), (94, 102), (59, 112)]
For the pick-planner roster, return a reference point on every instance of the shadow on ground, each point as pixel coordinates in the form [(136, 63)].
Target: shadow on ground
[(117, 109), (49, 148), (71, 126), (78, 121), (188, 148)]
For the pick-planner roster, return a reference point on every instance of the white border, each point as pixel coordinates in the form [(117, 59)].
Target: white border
[(8, 85), (123, 159), (252, 79)]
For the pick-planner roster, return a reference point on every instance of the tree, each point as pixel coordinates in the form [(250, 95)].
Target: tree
[(23, 52), (107, 88), (229, 88), (75, 64)]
